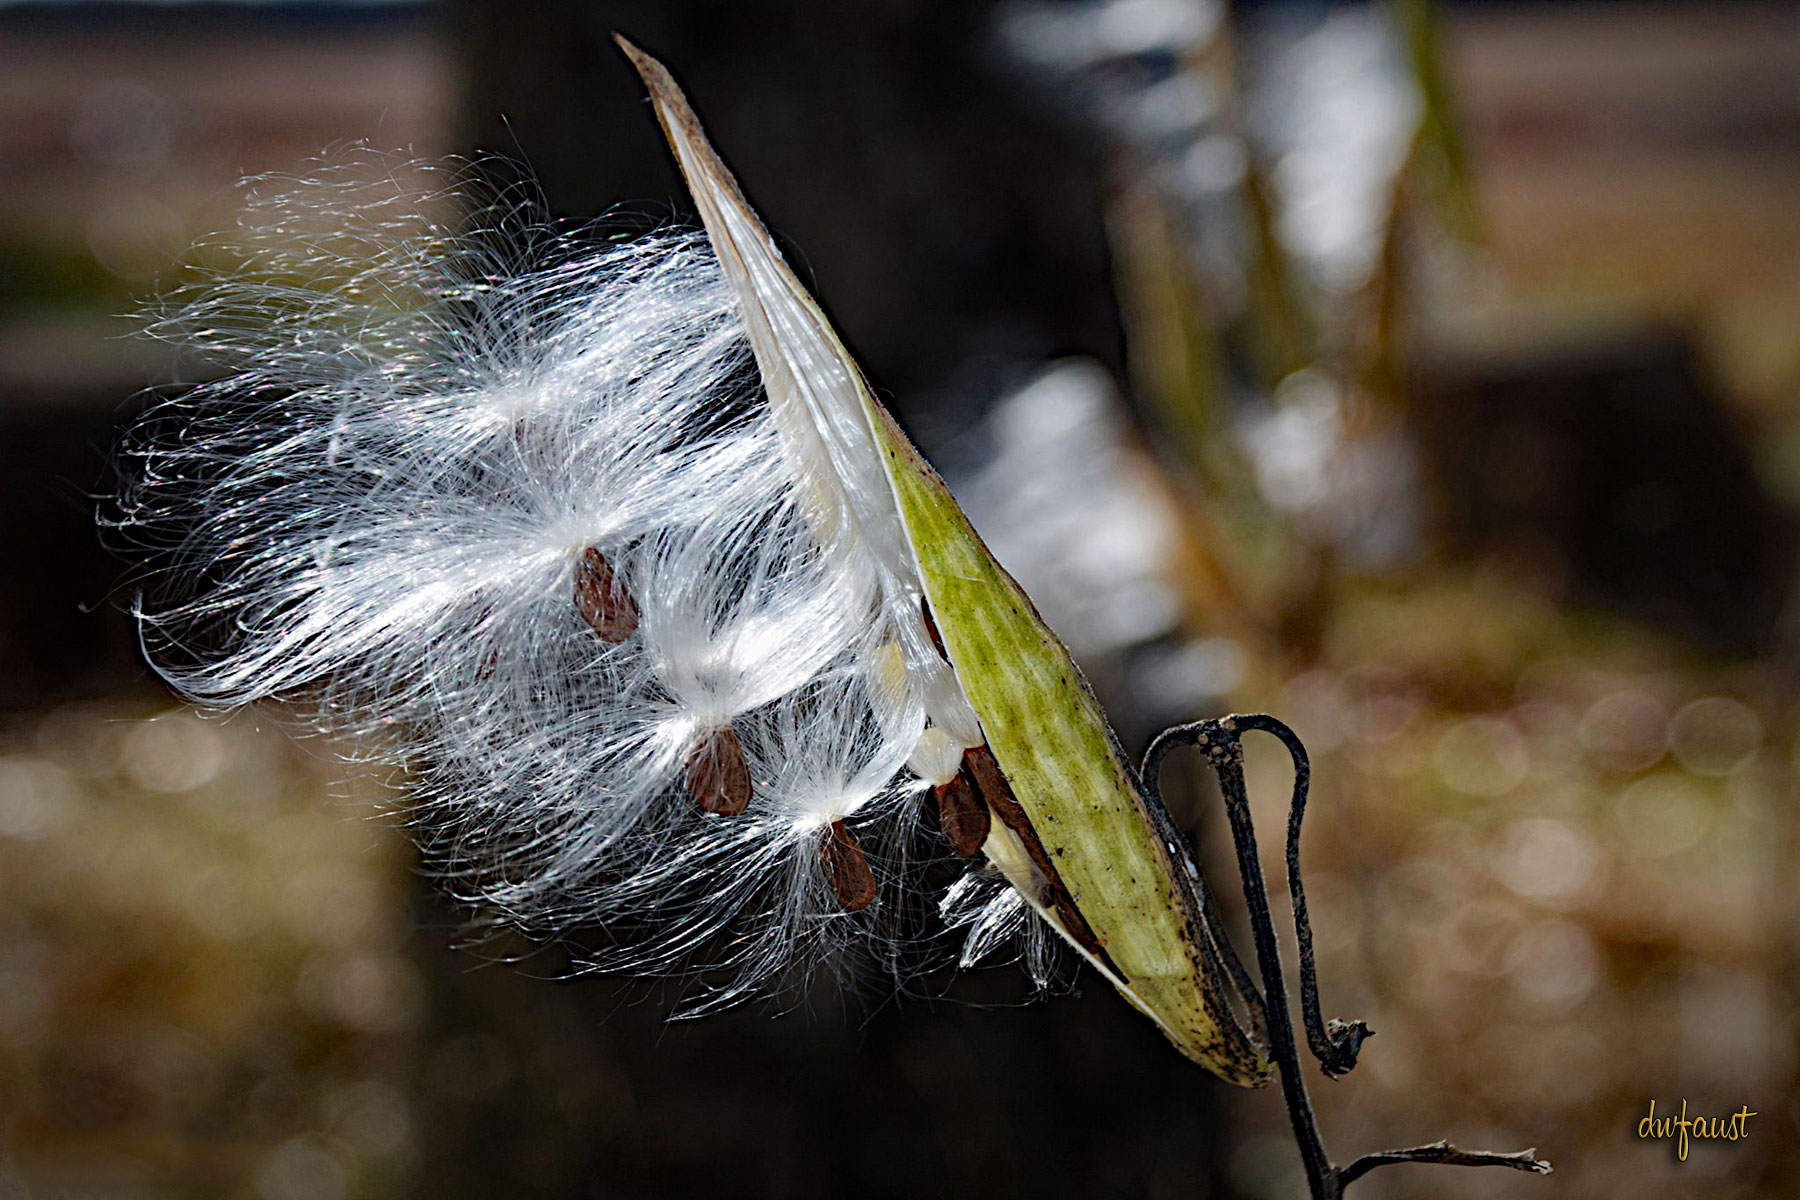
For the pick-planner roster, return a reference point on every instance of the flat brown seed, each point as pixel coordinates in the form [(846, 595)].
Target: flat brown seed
[(963, 815), (847, 867), (602, 598), (718, 775), (991, 785)]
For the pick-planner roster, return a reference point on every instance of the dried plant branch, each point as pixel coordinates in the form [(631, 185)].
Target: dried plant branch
[(1337, 1043), (1444, 1152)]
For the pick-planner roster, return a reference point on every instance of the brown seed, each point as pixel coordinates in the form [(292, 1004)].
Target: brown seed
[(963, 815), (847, 867), (937, 639), (718, 775), (602, 598), (991, 785)]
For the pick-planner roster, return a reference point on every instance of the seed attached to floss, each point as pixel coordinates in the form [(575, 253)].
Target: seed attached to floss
[(847, 867), (718, 774), (962, 815), (602, 598)]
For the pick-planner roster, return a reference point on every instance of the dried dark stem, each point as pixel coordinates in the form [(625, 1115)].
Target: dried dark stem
[(1336, 1044), (1444, 1152), (1240, 975), (1218, 740)]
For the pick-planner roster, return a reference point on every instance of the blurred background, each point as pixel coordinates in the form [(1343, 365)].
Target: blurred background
[(1427, 374)]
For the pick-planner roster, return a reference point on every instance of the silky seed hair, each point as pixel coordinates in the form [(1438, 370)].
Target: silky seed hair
[(510, 512)]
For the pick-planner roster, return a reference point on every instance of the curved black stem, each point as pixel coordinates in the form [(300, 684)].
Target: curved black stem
[(1218, 740), (1336, 1044), (1246, 987)]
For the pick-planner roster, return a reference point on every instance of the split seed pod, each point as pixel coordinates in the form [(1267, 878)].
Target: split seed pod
[(1072, 832), (658, 652)]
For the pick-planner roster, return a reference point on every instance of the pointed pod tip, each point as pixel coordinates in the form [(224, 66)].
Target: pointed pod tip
[(643, 62), (650, 69), (638, 57), (699, 162)]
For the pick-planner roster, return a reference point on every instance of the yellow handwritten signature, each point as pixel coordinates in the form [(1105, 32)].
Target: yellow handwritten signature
[(1733, 1128)]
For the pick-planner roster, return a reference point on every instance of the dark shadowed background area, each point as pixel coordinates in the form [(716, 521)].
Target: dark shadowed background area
[(1426, 375)]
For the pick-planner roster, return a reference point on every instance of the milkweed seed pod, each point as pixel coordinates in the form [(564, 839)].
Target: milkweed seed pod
[(663, 652)]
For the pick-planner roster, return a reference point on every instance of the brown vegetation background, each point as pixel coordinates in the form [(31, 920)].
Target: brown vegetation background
[(1553, 856)]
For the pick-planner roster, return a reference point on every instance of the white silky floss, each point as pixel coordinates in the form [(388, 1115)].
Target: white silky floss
[(533, 532)]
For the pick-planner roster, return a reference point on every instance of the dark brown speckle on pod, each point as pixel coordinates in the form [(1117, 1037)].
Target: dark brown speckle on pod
[(602, 598), (847, 867), (718, 774), (963, 815)]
